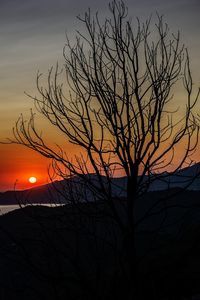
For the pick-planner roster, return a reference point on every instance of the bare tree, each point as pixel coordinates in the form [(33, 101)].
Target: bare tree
[(120, 110)]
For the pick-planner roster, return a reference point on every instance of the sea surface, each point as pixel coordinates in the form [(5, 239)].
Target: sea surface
[(4, 209), (7, 208)]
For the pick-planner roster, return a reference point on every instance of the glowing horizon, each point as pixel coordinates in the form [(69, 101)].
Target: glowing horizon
[(32, 39)]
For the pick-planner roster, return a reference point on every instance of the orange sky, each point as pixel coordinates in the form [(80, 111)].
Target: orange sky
[(32, 38), (18, 164)]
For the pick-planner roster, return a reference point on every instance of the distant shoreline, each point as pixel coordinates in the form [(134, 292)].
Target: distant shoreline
[(6, 208)]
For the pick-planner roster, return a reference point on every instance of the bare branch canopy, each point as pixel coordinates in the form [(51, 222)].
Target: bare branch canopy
[(121, 109), (120, 105)]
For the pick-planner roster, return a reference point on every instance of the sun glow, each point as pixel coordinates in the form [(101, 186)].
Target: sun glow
[(32, 179)]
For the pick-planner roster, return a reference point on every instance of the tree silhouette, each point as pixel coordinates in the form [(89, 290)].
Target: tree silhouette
[(120, 110)]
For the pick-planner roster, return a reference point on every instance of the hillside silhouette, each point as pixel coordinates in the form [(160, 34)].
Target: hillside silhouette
[(57, 192), (76, 250)]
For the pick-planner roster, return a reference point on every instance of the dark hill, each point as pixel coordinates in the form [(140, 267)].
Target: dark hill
[(63, 191), (76, 251)]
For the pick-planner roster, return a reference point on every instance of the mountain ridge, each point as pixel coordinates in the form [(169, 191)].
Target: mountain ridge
[(58, 191)]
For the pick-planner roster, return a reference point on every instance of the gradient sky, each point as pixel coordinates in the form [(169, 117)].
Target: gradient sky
[(32, 36)]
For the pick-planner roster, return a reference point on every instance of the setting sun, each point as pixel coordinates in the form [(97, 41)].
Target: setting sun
[(32, 179)]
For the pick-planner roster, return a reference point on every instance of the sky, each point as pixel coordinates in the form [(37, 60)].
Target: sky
[(32, 37)]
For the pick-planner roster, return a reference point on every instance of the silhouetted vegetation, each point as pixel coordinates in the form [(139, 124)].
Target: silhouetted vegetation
[(77, 251), (122, 114)]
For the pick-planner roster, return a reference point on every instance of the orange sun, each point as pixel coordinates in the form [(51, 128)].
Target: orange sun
[(32, 179)]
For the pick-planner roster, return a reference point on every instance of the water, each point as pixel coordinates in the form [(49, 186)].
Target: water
[(7, 208)]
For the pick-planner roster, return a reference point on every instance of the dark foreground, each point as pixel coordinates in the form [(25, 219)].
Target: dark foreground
[(75, 252)]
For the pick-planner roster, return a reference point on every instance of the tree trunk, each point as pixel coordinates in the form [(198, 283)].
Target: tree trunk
[(133, 276)]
